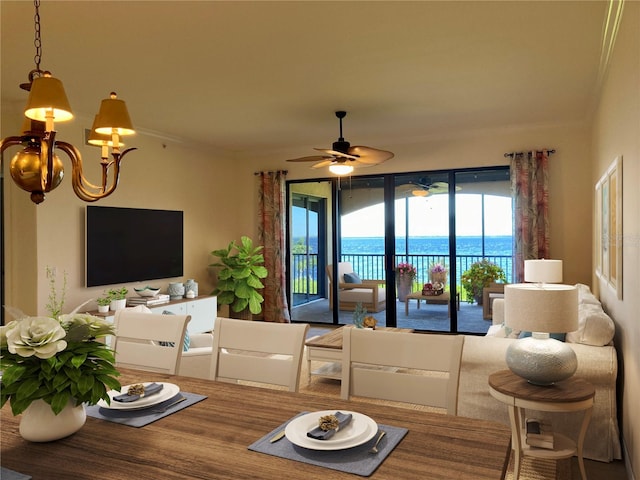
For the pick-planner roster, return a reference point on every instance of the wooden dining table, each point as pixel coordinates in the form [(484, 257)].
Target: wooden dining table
[(209, 440)]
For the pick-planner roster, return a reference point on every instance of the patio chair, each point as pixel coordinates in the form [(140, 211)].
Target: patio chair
[(149, 341), (412, 368), (261, 352), (370, 293)]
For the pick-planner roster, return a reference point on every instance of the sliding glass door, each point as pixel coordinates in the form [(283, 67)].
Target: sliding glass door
[(435, 225)]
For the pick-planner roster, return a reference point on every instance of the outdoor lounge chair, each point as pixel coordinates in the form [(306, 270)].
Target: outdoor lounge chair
[(370, 293)]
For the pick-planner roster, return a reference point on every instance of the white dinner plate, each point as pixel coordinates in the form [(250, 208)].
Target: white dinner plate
[(168, 391), (361, 429)]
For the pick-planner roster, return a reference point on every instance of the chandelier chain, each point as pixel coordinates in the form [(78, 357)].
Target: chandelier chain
[(37, 41)]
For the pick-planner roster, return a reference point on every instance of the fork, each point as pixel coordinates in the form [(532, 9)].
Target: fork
[(374, 449), (167, 407)]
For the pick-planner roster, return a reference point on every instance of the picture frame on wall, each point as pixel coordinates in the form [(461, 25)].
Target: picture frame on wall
[(608, 239)]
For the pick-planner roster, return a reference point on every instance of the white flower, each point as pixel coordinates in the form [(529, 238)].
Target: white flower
[(39, 336)]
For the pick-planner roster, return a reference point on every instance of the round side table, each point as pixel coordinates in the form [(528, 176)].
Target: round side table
[(570, 395)]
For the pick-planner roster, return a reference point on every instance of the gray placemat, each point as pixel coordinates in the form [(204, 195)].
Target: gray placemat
[(144, 416), (355, 460), (6, 474)]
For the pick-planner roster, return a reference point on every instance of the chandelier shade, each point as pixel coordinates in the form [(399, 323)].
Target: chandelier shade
[(100, 139), (113, 117), (47, 99)]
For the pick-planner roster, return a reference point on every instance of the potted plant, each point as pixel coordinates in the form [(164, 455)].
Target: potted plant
[(406, 273), (480, 275), (239, 278), (103, 303), (118, 298)]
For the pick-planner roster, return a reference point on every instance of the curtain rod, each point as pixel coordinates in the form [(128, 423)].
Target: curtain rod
[(519, 154), (272, 171)]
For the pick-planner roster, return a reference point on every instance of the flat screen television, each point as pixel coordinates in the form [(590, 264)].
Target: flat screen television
[(132, 245)]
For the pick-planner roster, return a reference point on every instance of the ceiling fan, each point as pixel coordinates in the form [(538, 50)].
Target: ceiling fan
[(342, 157), (424, 186)]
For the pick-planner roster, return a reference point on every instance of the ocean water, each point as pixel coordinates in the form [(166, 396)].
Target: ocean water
[(367, 253)]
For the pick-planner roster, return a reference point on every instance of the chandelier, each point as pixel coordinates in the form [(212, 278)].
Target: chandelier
[(36, 168)]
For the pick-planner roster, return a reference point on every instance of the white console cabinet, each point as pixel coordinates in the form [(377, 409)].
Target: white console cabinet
[(203, 311)]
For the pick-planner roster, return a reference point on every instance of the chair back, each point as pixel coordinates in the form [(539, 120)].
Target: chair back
[(149, 341), (343, 267), (415, 368), (261, 352)]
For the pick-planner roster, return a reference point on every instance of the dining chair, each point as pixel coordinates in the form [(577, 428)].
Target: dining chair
[(415, 368), (262, 352), (149, 341)]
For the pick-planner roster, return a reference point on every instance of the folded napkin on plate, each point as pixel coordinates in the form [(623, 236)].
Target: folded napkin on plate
[(320, 434), (150, 389)]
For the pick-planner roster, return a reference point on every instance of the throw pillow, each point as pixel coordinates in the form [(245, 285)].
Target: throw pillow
[(502, 331), (594, 327), (352, 278), (187, 341)]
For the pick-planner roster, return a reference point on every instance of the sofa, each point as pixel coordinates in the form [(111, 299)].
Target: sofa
[(597, 363)]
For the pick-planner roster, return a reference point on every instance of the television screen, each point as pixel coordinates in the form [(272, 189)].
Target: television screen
[(132, 245)]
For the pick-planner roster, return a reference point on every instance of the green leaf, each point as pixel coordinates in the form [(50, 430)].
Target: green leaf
[(86, 383), (13, 374), (27, 388), (59, 401), (78, 360)]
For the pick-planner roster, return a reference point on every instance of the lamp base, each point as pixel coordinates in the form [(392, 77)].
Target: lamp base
[(541, 360)]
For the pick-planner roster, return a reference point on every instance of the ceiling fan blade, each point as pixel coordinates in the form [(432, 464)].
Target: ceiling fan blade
[(335, 153), (368, 155), (324, 163), (312, 158)]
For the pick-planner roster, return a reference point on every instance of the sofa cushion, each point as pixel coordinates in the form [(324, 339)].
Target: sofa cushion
[(594, 326), (502, 331), (585, 296), (187, 340), (352, 278)]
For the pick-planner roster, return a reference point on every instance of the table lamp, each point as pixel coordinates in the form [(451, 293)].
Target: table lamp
[(543, 271), (541, 308)]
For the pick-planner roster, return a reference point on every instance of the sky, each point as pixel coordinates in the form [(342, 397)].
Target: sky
[(429, 216)]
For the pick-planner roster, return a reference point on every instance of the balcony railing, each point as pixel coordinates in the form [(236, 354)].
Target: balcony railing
[(371, 267)]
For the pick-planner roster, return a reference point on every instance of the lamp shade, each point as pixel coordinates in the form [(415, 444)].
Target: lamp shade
[(100, 139), (541, 308), (341, 169), (113, 117), (543, 271), (47, 97)]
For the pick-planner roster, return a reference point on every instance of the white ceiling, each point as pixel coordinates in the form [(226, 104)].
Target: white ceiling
[(252, 77)]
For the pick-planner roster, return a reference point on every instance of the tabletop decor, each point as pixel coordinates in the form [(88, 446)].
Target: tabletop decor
[(406, 273), (51, 367), (438, 273)]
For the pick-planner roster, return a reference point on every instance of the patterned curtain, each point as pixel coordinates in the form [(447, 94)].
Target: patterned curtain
[(271, 232), (530, 187)]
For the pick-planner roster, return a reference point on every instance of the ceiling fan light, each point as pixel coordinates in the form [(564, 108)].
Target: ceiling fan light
[(419, 193), (341, 169)]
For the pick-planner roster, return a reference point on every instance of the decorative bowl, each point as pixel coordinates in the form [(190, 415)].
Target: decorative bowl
[(147, 291)]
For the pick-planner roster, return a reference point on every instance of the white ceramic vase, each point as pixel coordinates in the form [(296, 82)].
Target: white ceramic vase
[(40, 424), (404, 284), (118, 304)]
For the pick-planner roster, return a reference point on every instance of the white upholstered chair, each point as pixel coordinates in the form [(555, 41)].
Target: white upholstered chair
[(403, 367), (261, 352), (370, 293), (148, 341)]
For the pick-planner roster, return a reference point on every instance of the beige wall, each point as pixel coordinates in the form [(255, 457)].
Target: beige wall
[(617, 132), (215, 193)]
